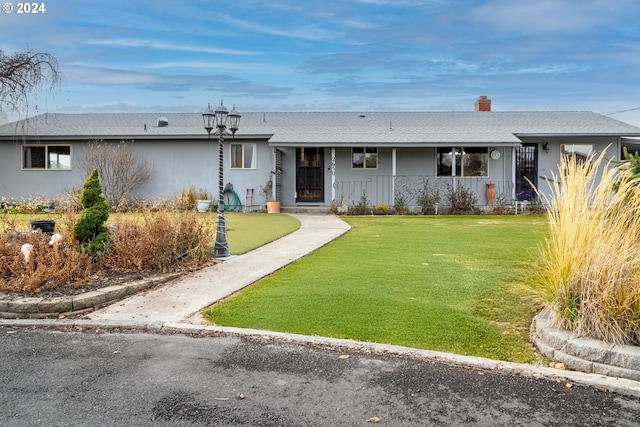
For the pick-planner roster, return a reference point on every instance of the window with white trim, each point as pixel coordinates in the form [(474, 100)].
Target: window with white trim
[(47, 157), (580, 151), (469, 161), (243, 156), (364, 158)]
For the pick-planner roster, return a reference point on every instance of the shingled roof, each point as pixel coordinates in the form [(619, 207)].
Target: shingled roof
[(331, 128)]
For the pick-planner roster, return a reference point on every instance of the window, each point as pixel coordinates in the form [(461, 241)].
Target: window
[(51, 157), (581, 151), (243, 156), (470, 161), (364, 158)]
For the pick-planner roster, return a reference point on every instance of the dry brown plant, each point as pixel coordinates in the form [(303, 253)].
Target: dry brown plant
[(165, 241), (161, 241), (47, 267)]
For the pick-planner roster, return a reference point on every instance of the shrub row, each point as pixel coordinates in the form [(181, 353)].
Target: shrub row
[(163, 241)]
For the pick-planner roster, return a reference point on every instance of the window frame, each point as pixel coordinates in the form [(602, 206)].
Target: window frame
[(254, 158), (581, 157), (461, 158), (46, 158), (364, 152)]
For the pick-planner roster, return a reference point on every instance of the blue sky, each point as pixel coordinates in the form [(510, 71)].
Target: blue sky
[(366, 55)]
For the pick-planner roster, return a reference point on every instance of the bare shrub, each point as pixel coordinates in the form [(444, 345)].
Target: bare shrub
[(461, 199), (164, 241), (362, 206), (500, 207), (69, 201), (159, 242), (402, 196), (428, 197), (48, 266), (120, 168)]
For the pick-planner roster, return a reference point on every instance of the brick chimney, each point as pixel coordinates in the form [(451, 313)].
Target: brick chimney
[(483, 104)]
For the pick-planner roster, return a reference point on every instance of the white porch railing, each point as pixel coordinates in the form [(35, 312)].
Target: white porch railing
[(385, 188)]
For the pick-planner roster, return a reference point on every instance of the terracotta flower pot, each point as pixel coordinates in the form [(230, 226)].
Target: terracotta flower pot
[(491, 194), (273, 207)]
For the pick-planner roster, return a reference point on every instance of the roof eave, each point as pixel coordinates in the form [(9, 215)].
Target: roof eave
[(137, 137), (395, 144), (581, 134)]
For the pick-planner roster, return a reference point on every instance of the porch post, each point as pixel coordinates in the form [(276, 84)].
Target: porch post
[(393, 175), (333, 174), (274, 175), (454, 182), (513, 174)]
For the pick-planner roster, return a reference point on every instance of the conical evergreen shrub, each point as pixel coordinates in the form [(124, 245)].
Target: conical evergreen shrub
[(89, 230)]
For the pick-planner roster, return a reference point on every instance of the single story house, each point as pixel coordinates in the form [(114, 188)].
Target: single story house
[(316, 158)]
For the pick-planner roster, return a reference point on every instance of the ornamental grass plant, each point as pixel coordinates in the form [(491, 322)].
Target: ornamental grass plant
[(591, 269)]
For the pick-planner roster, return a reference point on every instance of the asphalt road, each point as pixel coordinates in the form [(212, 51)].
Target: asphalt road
[(53, 378)]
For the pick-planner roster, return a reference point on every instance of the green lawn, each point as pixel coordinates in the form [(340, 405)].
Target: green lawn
[(247, 231), (458, 284)]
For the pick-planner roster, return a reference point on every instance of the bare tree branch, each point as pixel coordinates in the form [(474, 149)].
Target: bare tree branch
[(24, 73), (120, 168)]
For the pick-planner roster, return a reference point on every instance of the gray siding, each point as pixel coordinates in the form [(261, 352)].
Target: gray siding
[(177, 166), (548, 163)]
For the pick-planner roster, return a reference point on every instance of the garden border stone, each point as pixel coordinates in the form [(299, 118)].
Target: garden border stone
[(45, 308), (584, 354)]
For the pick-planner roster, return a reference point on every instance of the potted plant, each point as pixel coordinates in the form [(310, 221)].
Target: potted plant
[(273, 206), (203, 201)]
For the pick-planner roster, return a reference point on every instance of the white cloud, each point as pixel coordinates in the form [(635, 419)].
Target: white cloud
[(152, 44), (548, 16), (308, 31)]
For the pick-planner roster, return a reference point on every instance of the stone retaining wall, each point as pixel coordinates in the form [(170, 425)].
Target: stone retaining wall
[(584, 354), (43, 308)]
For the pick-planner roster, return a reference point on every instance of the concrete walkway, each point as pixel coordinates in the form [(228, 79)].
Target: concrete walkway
[(182, 300)]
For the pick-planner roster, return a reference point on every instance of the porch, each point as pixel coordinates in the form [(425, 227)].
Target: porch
[(388, 189)]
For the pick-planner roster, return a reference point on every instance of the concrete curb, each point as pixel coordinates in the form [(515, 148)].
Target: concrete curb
[(622, 386), (584, 354), (46, 308)]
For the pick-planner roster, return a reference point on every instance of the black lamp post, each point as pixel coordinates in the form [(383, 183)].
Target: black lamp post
[(222, 120)]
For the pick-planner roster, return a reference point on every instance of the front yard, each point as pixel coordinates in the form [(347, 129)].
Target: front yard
[(460, 284), (138, 243)]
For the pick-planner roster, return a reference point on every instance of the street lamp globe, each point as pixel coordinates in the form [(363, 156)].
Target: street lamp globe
[(221, 117), (209, 117)]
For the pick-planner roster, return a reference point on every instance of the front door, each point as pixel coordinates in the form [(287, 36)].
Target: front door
[(309, 174), (526, 171)]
